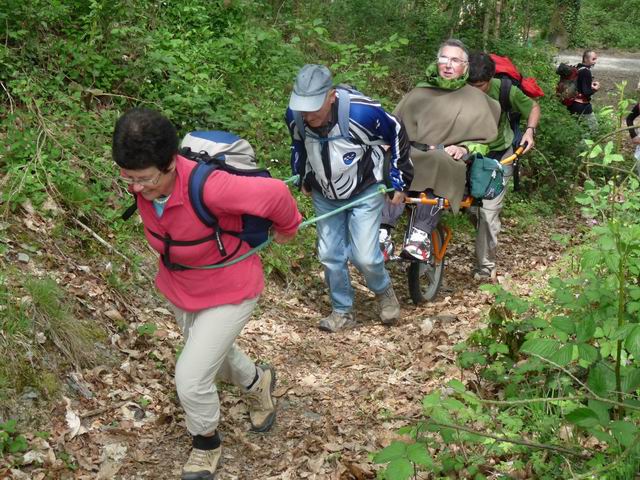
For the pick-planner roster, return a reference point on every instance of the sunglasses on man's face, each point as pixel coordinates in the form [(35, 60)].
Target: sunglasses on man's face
[(455, 61)]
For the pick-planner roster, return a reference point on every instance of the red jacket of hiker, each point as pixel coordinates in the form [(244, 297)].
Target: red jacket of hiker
[(228, 197)]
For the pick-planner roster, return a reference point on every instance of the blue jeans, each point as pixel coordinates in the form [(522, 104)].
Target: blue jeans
[(350, 235)]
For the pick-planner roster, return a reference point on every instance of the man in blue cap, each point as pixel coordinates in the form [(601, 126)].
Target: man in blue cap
[(339, 142)]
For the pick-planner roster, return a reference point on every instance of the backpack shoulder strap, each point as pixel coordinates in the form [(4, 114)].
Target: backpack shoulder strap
[(505, 90), (297, 117), (197, 180), (128, 213), (344, 107)]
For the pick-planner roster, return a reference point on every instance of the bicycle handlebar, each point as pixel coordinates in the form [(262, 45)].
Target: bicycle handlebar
[(516, 155), (424, 200)]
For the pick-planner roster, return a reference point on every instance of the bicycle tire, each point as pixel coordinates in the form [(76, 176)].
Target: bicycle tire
[(425, 278)]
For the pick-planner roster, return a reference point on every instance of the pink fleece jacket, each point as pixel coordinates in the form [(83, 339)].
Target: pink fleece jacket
[(228, 197)]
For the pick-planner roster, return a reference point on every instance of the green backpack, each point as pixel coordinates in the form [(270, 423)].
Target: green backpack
[(486, 177)]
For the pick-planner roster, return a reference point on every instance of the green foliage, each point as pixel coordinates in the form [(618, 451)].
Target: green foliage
[(147, 329), (69, 69), (562, 368), (607, 24), (10, 440), (39, 330)]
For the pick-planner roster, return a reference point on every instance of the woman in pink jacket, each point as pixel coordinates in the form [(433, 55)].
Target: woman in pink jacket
[(212, 305)]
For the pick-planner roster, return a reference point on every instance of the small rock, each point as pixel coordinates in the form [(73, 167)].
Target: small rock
[(19, 475), (28, 206), (77, 383), (114, 315), (23, 257), (30, 394), (50, 206), (426, 326), (312, 415), (446, 318)]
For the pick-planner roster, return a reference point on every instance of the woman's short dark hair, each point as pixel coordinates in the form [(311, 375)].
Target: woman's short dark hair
[(482, 68), (144, 138)]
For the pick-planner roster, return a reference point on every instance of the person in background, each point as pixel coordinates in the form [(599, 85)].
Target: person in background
[(211, 305), (338, 167), (586, 87), (482, 68), (633, 133)]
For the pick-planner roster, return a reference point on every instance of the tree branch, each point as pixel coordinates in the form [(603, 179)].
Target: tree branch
[(515, 441), (110, 247)]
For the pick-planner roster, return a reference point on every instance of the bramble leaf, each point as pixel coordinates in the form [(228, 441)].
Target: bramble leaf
[(399, 469), (394, 451), (419, 454), (544, 348), (583, 417)]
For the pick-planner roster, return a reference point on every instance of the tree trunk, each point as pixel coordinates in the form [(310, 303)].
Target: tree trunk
[(456, 6), (486, 25), (527, 22), (498, 14)]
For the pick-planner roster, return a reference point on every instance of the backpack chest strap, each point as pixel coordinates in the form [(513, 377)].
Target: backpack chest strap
[(169, 242)]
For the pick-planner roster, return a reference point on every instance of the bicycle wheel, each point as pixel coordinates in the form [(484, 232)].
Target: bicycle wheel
[(425, 278)]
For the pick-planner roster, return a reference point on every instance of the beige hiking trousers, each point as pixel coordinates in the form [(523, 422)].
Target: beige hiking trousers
[(210, 354)]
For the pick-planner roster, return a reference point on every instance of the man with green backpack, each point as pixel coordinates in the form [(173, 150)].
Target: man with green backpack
[(481, 71)]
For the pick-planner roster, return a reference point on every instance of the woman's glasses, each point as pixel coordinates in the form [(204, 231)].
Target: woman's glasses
[(145, 182)]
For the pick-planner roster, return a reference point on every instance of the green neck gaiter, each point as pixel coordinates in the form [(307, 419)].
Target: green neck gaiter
[(434, 80)]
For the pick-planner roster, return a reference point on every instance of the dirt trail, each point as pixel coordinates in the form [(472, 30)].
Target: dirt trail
[(338, 394)]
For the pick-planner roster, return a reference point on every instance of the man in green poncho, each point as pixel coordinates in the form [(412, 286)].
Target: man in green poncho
[(442, 115)]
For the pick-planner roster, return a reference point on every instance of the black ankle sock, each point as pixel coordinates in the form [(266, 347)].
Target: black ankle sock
[(206, 443), (386, 226), (255, 379)]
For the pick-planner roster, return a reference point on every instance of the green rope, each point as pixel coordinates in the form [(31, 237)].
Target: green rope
[(381, 190)]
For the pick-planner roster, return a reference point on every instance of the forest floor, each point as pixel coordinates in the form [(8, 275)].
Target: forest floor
[(340, 396)]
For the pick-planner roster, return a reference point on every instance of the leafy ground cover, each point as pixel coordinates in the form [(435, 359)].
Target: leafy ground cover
[(88, 349), (341, 396)]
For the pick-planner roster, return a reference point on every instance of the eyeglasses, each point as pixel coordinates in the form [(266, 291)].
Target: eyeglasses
[(145, 182), (455, 61)]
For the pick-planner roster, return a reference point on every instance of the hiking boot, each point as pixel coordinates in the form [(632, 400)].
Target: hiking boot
[(337, 321), (485, 275), (417, 246), (389, 306), (201, 464), (262, 406), (386, 245)]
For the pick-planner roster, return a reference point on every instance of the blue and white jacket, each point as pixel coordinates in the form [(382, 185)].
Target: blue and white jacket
[(340, 167)]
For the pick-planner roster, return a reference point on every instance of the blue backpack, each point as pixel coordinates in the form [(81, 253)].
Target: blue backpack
[(213, 150)]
